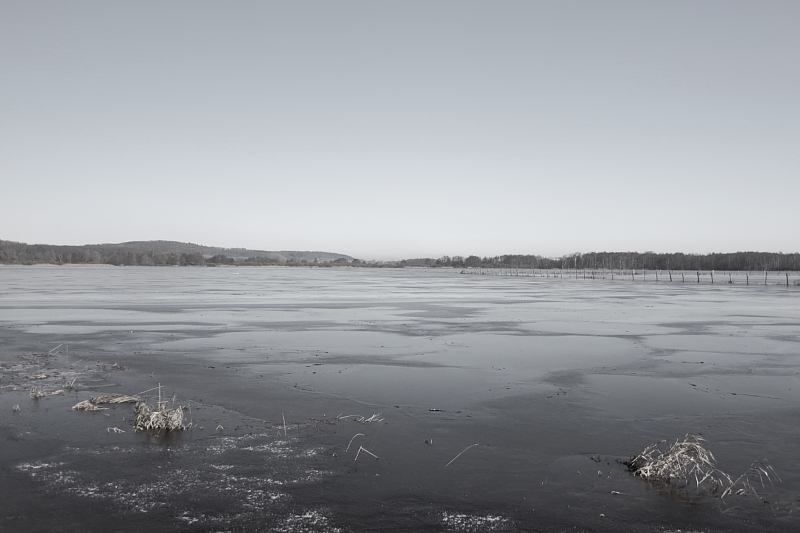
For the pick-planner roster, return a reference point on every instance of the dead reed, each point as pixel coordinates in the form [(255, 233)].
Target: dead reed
[(362, 449), (362, 420), (114, 398), (158, 418), (757, 469), (147, 418), (351, 441), (679, 463), (685, 461), (86, 405), (459, 455), (91, 404)]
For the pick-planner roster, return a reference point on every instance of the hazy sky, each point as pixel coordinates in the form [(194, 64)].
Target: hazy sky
[(403, 129)]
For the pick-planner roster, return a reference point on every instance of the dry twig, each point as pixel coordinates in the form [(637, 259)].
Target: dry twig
[(459, 455), (362, 449), (351, 441), (363, 420)]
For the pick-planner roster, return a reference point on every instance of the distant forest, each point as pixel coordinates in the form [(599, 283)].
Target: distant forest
[(632, 260), (168, 253)]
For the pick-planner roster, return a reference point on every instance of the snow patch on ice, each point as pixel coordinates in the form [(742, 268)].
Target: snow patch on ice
[(466, 523)]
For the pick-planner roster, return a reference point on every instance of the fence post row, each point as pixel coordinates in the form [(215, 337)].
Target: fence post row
[(594, 274)]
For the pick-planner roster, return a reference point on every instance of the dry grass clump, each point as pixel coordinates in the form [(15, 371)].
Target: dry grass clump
[(678, 464), (37, 392), (91, 404), (114, 398), (86, 405), (361, 419), (159, 418), (686, 461), (146, 417)]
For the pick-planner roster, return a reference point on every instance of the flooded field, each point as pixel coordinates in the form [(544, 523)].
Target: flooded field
[(287, 375)]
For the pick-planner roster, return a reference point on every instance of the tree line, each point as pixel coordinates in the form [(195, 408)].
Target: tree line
[(747, 261), (29, 254)]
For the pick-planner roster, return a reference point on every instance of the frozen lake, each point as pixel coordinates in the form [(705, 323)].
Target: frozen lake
[(544, 374)]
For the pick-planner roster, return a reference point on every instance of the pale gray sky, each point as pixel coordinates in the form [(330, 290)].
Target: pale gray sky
[(405, 129)]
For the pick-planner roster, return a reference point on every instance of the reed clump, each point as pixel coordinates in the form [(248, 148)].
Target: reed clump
[(158, 418), (683, 462)]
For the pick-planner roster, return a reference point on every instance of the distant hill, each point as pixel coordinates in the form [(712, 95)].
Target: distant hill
[(164, 247), (156, 253)]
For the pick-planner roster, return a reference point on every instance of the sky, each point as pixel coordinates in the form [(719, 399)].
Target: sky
[(388, 130)]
